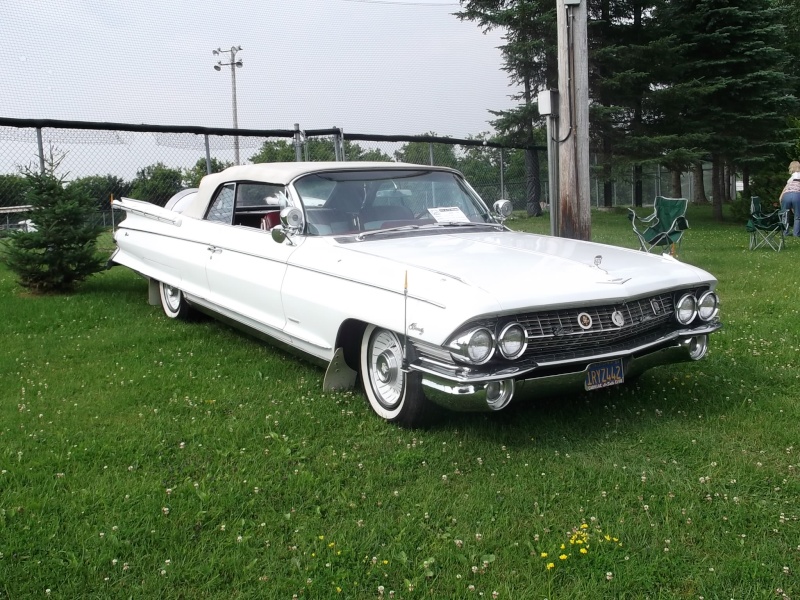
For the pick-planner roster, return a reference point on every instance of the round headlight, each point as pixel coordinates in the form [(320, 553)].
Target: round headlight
[(512, 341), (686, 309), (480, 346), (708, 306)]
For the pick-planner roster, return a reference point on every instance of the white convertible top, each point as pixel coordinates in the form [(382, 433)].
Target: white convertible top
[(282, 173)]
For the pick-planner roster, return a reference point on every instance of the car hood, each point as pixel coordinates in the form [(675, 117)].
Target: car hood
[(520, 269)]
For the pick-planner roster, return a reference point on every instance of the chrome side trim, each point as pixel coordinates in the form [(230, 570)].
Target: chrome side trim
[(257, 329), (399, 292)]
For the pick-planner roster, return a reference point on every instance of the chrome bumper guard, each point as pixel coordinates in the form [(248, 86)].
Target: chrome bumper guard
[(465, 393)]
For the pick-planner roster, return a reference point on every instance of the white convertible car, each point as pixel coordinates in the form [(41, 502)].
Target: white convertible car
[(400, 276)]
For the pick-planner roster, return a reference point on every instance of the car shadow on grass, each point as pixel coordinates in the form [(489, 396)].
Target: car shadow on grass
[(652, 401)]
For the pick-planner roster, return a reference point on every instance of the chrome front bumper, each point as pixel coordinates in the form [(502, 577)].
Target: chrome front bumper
[(472, 395)]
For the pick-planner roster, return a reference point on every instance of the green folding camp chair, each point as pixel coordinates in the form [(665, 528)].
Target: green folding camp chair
[(664, 228), (766, 228)]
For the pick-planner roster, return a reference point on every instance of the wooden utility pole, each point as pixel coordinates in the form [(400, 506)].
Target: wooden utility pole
[(573, 130)]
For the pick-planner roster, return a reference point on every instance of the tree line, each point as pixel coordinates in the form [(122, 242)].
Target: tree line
[(156, 183), (673, 82)]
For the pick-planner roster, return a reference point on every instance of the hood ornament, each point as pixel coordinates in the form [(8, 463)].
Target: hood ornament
[(598, 260)]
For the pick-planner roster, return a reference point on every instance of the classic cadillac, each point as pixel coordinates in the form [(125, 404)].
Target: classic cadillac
[(400, 276)]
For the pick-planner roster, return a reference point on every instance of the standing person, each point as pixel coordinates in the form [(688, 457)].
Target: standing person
[(790, 196)]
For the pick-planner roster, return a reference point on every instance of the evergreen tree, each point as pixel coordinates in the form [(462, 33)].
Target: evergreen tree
[(61, 251), (530, 57), (737, 92)]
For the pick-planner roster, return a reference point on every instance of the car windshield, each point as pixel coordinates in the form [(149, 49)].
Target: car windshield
[(345, 202)]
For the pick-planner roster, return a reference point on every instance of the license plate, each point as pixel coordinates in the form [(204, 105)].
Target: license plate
[(604, 374)]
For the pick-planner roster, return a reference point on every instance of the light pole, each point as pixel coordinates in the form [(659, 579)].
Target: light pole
[(233, 64)]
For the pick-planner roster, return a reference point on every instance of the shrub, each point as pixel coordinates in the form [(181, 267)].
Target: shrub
[(61, 251)]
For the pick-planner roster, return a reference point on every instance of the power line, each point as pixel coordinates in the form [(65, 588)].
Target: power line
[(401, 3)]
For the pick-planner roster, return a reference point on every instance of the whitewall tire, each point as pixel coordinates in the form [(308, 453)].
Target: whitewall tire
[(393, 394), (173, 302)]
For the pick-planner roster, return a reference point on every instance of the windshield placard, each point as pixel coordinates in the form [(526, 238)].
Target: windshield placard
[(448, 214)]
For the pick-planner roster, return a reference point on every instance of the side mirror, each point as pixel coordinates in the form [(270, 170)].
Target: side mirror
[(292, 219), (503, 209), (278, 234), (291, 224)]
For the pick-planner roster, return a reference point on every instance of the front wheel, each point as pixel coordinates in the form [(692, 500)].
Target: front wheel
[(173, 302), (393, 394)]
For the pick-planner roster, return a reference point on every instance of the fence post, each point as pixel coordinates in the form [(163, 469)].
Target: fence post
[(298, 155), (338, 144), (208, 156), (430, 152), (41, 149), (502, 179)]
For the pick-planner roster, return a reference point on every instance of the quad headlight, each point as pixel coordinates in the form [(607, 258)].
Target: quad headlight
[(708, 306), (686, 309), (475, 346), (512, 341), (703, 305)]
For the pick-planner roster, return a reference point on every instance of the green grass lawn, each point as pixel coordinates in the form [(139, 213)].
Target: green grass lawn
[(145, 458)]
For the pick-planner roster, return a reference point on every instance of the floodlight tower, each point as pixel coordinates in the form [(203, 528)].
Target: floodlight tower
[(234, 64)]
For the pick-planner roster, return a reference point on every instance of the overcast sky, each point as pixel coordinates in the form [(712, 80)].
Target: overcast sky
[(368, 66)]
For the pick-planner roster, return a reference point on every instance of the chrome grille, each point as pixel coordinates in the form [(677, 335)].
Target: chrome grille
[(555, 336), (558, 332)]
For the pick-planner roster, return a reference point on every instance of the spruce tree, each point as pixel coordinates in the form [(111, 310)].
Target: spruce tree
[(60, 251)]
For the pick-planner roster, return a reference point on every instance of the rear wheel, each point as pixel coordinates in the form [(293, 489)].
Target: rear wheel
[(393, 394), (173, 302)]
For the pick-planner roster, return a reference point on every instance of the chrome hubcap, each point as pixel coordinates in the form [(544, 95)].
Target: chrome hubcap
[(172, 296), (386, 357), (386, 368)]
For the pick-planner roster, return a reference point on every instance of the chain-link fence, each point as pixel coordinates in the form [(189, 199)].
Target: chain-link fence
[(655, 181), (154, 162)]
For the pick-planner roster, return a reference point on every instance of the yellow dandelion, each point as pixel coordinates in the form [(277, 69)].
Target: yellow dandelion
[(322, 537), (563, 557), (550, 565), (331, 545), (584, 551), (563, 547), (386, 562), (584, 526), (607, 537)]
